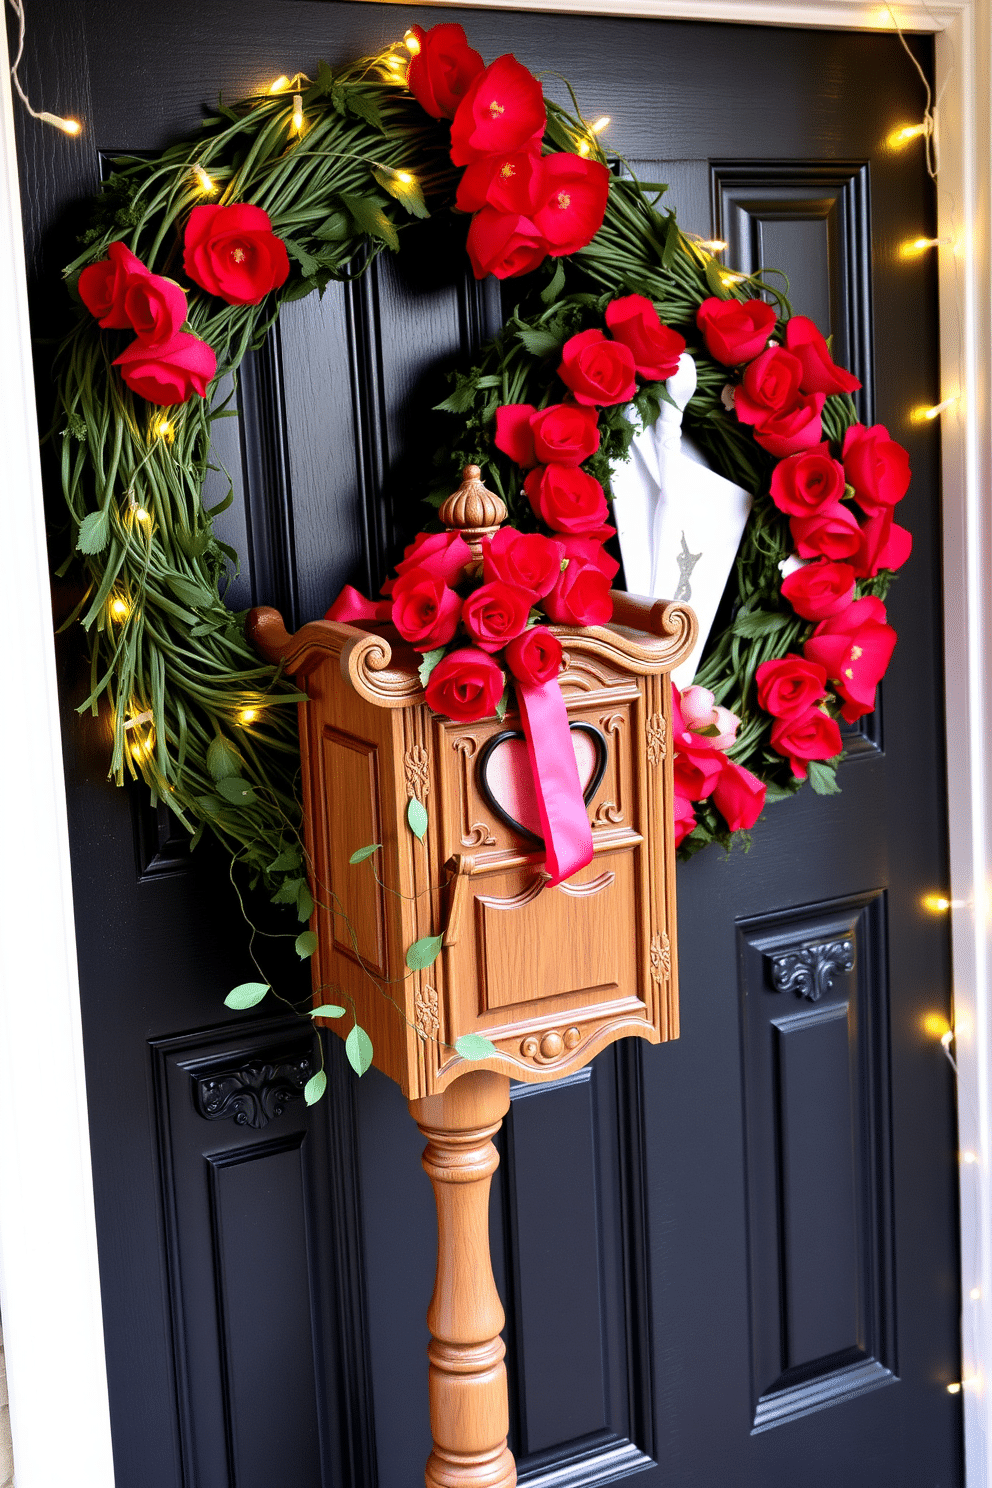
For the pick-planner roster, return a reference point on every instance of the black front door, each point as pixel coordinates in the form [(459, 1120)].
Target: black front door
[(728, 1260)]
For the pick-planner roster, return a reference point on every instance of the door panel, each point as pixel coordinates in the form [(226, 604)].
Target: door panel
[(729, 1259)]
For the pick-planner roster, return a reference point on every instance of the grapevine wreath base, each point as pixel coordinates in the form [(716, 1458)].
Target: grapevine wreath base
[(190, 257)]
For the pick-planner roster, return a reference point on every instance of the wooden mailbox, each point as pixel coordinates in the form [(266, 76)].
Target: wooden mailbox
[(549, 975)]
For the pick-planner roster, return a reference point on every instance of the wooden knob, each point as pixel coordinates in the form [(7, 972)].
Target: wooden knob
[(473, 511)]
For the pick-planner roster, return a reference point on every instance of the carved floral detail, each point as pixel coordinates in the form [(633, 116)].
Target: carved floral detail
[(425, 1011), (254, 1094), (809, 970), (416, 771), (474, 834), (661, 957), (656, 736), (608, 814), (547, 1047)]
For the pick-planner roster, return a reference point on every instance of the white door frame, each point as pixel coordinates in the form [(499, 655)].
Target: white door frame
[(49, 1277)]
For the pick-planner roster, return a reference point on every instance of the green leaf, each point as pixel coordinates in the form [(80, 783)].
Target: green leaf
[(239, 792), (416, 816), (358, 1047), (364, 106), (327, 1010), (427, 665), (289, 858), (756, 623), (714, 273), (197, 596), (288, 892), (556, 284), (334, 229), (371, 219), (314, 1088), (405, 187), (223, 760), (246, 996), (94, 530), (461, 400), (304, 902), (671, 244), (306, 261), (361, 853), (306, 943), (502, 704), (540, 342), (474, 1046), (823, 778), (424, 952)]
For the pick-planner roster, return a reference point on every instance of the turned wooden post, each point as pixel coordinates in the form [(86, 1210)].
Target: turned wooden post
[(467, 1376)]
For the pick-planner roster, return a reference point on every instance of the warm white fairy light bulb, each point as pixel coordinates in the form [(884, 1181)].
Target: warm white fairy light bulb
[(205, 182), (298, 113), (412, 43)]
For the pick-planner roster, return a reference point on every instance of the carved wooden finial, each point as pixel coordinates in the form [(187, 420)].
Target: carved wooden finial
[(473, 511)]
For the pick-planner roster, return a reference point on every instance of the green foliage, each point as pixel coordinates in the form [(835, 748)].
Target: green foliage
[(417, 819), (306, 943), (246, 996), (314, 1088), (327, 1010), (358, 1047), (362, 853), (424, 952), (475, 1046)]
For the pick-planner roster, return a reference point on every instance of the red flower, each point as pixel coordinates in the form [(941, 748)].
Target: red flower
[(535, 656), (805, 483), (793, 429), (102, 286), (439, 74), (739, 796), (565, 434), (854, 650), (634, 322), (697, 764), (155, 307), (514, 435), (424, 610), (571, 202), (527, 560), (591, 550), (506, 182), (598, 372), (884, 544), (443, 555), (832, 532), (170, 373), (501, 111), (567, 499), (820, 589), (820, 372), (503, 244), (789, 685), (466, 685), (496, 613), (735, 331), (581, 596), (685, 818), (876, 466), (807, 736), (233, 253), (770, 385)]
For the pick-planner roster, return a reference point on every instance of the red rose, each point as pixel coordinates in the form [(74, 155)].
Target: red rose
[(535, 656), (571, 195), (527, 560), (832, 532), (170, 373), (876, 467), (854, 650), (444, 555), (735, 331), (820, 372), (155, 307), (770, 385), (581, 596), (807, 482), (424, 610), (514, 435), (634, 322), (102, 286), (820, 589), (808, 736), (797, 428), (567, 499), (503, 244), (565, 434), (739, 796), (502, 110), (598, 372), (506, 182), (789, 685), (466, 685), (591, 550), (884, 544), (697, 764), (233, 253), (496, 613), (442, 69), (685, 818)]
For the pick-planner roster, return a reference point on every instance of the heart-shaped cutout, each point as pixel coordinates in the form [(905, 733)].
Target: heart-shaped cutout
[(505, 778)]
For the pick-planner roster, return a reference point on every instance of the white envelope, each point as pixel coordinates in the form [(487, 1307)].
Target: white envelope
[(679, 523)]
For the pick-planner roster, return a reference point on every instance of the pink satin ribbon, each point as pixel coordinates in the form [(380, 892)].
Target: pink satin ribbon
[(350, 605), (564, 819)]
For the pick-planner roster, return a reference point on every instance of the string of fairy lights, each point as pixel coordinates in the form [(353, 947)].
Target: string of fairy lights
[(394, 61)]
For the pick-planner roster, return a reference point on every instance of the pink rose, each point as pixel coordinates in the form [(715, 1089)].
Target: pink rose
[(793, 429), (527, 560), (820, 589), (876, 466), (701, 712), (805, 483), (495, 613), (535, 656), (832, 532), (581, 596), (465, 685), (424, 610)]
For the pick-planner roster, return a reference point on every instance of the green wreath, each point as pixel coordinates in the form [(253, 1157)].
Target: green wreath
[(338, 167)]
